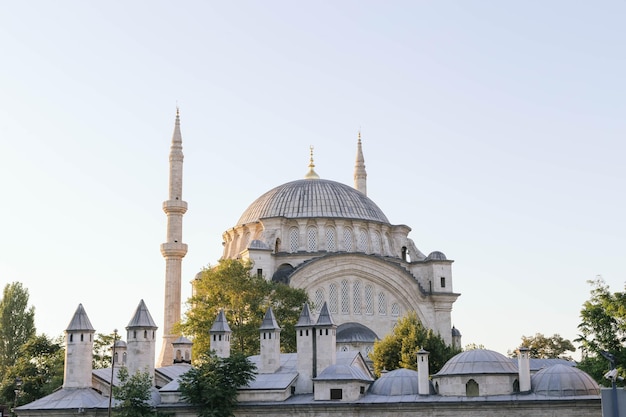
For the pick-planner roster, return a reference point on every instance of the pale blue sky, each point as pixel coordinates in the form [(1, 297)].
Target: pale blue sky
[(495, 130)]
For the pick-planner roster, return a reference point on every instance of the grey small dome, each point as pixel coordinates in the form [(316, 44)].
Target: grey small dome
[(313, 198), (355, 333), (563, 381), (120, 344), (436, 256), (478, 361), (398, 382), (257, 244), (455, 332)]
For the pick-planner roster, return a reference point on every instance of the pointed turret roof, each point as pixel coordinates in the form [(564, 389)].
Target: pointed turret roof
[(325, 319), (80, 321), (305, 319), (182, 340), (177, 137), (142, 318), (360, 175), (220, 325), (269, 322)]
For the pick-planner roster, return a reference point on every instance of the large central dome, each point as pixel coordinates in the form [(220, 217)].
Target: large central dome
[(313, 198)]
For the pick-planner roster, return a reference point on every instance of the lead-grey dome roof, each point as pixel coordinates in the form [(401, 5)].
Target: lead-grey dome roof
[(398, 382), (563, 381), (355, 333), (313, 198), (478, 361)]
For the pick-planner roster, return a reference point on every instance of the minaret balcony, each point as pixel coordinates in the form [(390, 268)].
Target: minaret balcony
[(175, 206), (173, 250)]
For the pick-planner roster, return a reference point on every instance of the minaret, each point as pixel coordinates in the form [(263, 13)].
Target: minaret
[(174, 249), (78, 351), (141, 342), (360, 176)]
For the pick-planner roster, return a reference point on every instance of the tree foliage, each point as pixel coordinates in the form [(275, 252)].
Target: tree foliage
[(399, 349), (17, 323), (40, 367), (211, 385), (133, 394), (543, 347), (102, 350), (244, 297), (602, 329)]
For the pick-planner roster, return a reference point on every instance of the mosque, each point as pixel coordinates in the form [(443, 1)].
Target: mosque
[(362, 274)]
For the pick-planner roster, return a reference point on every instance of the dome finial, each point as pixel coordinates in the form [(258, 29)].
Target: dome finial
[(311, 175)]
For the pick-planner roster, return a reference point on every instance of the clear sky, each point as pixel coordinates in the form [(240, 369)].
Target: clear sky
[(495, 130)]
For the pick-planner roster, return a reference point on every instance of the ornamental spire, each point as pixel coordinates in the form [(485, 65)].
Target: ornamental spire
[(311, 175), (360, 176)]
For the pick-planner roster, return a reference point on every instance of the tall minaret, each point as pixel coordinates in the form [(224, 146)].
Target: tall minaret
[(360, 176), (174, 249)]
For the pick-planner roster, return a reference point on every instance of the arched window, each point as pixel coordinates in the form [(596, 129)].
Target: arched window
[(319, 299), (345, 304), (277, 245), (330, 239), (124, 358), (347, 239), (395, 309), (471, 388), (333, 304), (369, 300), (356, 297), (311, 239), (116, 359), (362, 244), (294, 243), (382, 304), (376, 243)]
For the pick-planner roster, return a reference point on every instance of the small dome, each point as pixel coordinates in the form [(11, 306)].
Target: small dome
[(257, 244), (436, 256), (563, 381), (455, 332), (355, 333), (478, 361), (120, 344), (398, 382), (313, 198)]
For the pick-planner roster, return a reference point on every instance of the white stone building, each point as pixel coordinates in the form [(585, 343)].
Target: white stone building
[(362, 273)]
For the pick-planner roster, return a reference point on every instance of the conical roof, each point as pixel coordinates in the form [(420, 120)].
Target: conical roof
[(269, 322), (142, 318), (325, 319), (220, 325), (80, 321), (305, 319)]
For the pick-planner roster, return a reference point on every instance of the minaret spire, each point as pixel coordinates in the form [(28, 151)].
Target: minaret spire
[(173, 250), (360, 176), (311, 175)]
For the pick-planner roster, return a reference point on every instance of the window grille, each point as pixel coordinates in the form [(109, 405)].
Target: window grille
[(319, 299), (362, 244), (356, 297), (347, 239), (311, 236), (395, 309), (330, 240), (345, 306), (382, 304), (369, 300), (332, 298), (293, 240)]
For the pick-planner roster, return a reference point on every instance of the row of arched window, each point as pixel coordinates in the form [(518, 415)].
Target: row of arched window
[(354, 298), (360, 240)]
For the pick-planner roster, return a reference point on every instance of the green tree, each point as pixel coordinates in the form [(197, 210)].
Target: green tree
[(39, 366), (399, 349), (102, 350), (602, 329), (17, 323), (244, 297), (211, 385), (133, 394), (543, 347)]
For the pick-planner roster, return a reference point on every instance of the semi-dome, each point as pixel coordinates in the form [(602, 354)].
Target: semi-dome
[(563, 381), (355, 333), (478, 361), (313, 198)]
